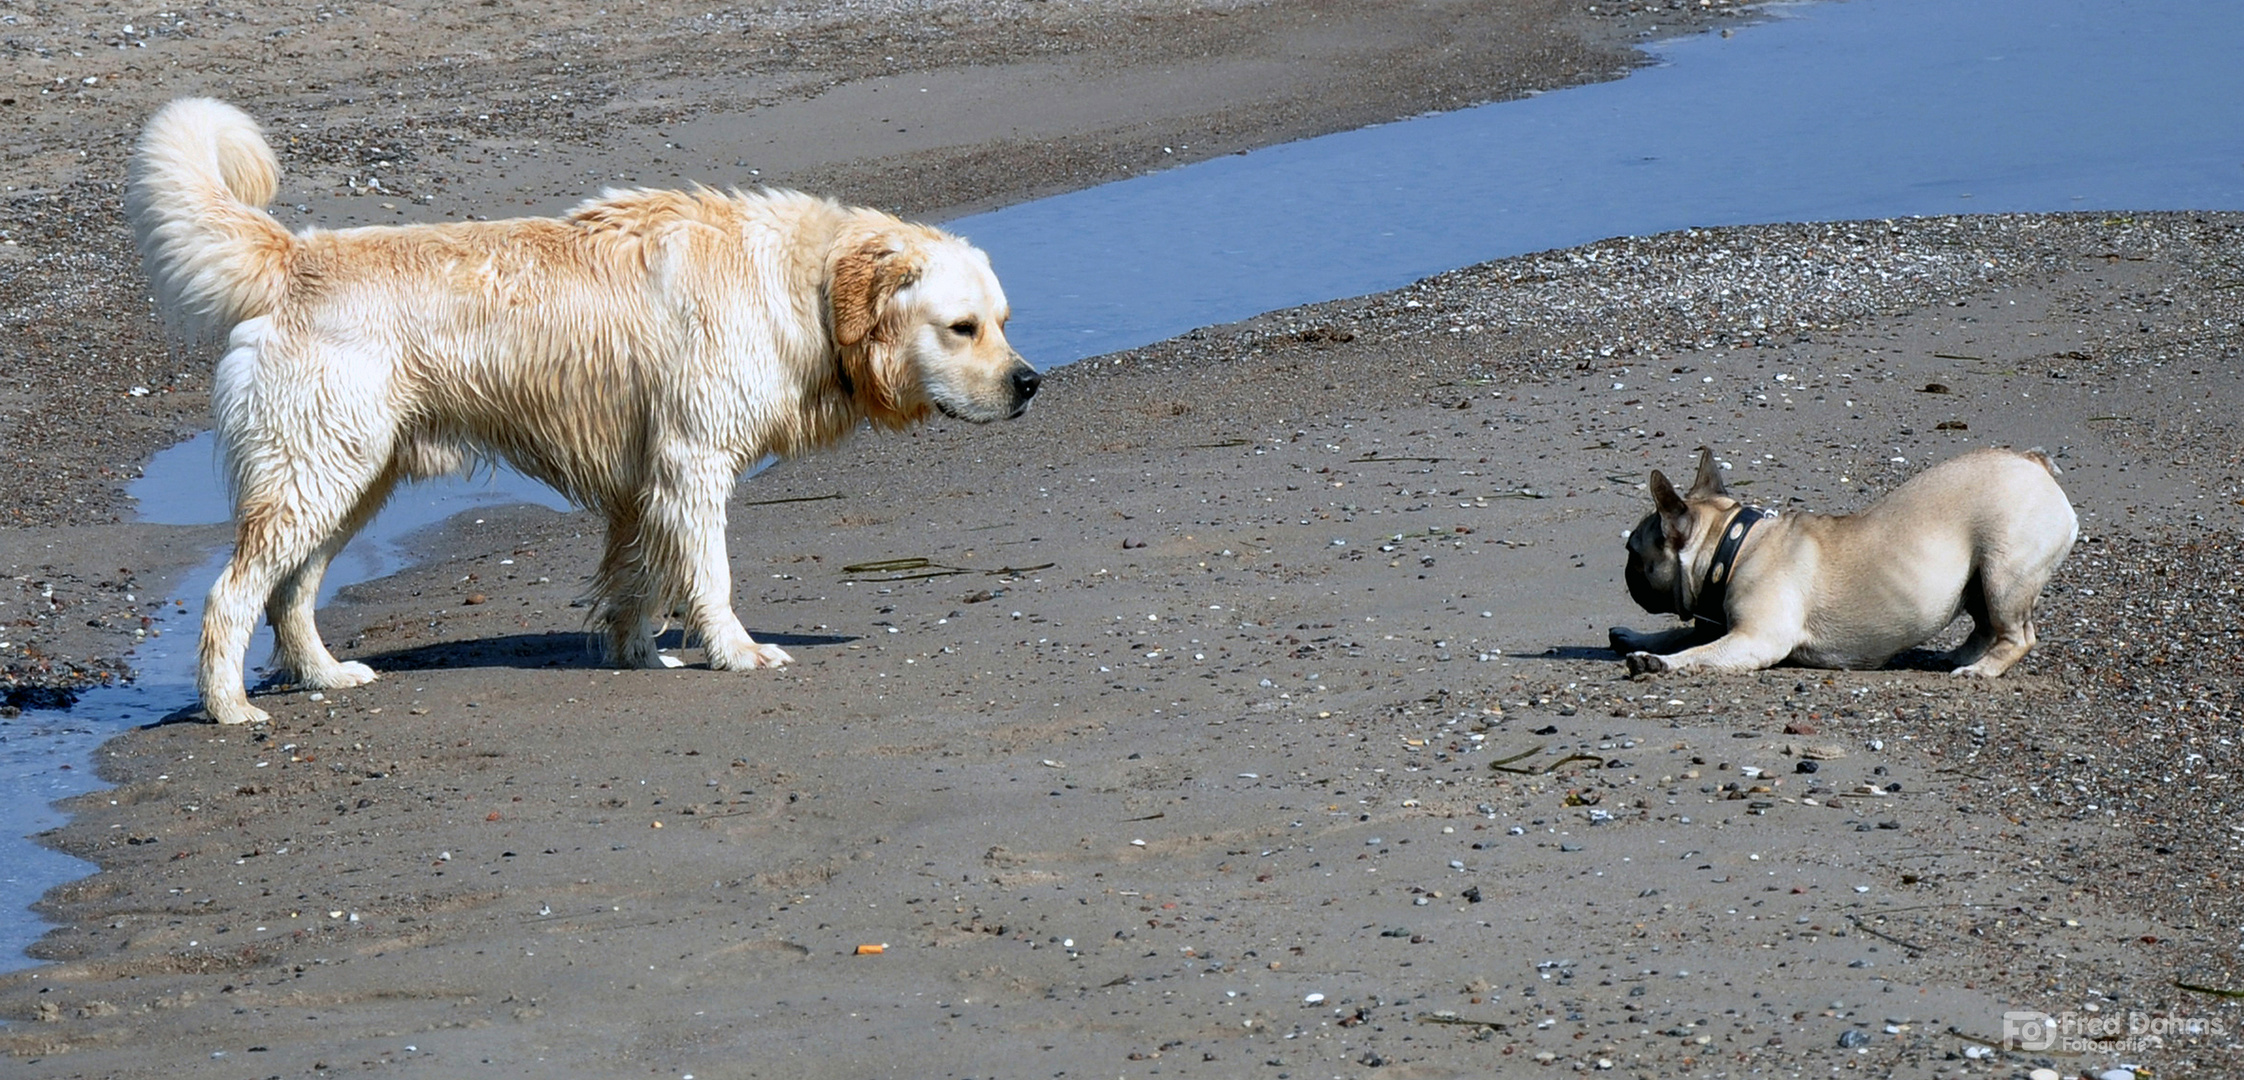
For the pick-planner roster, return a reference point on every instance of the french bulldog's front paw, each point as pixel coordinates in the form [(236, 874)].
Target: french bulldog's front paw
[(1644, 663), (1622, 640)]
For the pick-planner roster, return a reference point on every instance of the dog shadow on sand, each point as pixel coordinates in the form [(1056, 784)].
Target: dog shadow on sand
[(552, 650), (1931, 658), (521, 651)]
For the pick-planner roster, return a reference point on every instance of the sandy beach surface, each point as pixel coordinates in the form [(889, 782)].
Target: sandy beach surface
[(1243, 710)]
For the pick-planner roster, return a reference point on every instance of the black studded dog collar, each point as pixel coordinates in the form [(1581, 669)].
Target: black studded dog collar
[(1714, 592)]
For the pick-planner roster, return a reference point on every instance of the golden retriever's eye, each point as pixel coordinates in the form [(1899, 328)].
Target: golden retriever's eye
[(965, 327)]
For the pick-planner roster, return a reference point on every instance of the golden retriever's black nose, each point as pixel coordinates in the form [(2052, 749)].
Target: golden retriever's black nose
[(1025, 382)]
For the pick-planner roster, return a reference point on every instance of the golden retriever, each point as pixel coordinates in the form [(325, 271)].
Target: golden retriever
[(637, 355)]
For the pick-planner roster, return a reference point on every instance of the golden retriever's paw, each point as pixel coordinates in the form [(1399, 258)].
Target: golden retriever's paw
[(235, 713), (342, 676), (749, 655), (632, 651), (1644, 663)]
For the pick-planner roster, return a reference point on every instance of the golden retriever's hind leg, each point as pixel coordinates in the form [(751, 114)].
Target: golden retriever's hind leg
[(229, 617), (623, 598), (299, 656), (280, 527)]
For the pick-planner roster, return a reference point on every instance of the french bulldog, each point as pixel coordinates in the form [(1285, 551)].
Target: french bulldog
[(1981, 533)]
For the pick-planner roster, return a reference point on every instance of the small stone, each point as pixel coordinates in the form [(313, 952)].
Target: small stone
[(2043, 1074), (1806, 766), (1852, 1038)]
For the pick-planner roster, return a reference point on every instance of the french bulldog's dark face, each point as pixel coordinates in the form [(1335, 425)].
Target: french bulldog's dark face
[(1652, 567), (1655, 547)]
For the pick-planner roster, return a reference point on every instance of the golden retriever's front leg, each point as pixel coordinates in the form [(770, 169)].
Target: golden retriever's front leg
[(685, 525)]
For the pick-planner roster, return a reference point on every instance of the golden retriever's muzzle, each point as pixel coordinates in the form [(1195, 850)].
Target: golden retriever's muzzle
[(1025, 381), (1019, 381)]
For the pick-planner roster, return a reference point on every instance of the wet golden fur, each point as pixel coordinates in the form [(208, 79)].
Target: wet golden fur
[(637, 355)]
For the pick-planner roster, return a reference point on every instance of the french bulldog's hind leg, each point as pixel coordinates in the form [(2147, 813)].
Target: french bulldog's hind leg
[(2002, 611), (2009, 647), (1974, 645)]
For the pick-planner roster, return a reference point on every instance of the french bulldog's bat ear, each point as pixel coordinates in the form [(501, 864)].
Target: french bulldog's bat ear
[(1675, 514), (1709, 479)]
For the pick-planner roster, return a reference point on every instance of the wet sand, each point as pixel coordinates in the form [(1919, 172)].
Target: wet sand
[(1252, 716)]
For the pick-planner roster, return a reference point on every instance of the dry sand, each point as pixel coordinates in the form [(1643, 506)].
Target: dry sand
[(1252, 717)]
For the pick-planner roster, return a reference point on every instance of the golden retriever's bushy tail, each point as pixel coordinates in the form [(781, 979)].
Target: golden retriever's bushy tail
[(200, 178)]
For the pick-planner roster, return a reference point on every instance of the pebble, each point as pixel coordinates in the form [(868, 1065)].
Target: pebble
[(2043, 1074), (1852, 1038)]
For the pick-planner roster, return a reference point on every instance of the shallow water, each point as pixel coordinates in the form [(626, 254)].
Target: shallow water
[(1865, 109), (48, 755)]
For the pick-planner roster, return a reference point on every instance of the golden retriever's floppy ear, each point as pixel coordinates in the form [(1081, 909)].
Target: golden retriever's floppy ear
[(1709, 479), (864, 277)]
